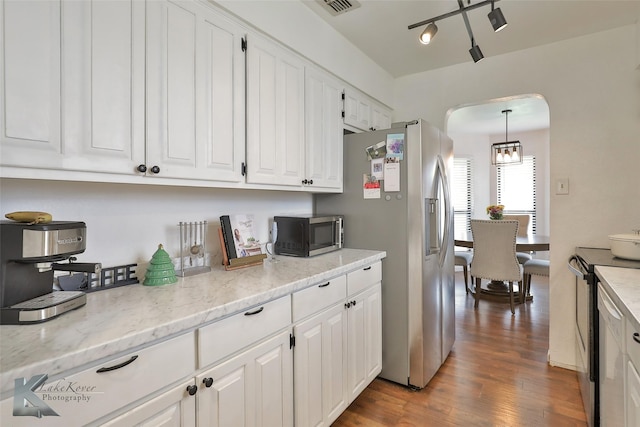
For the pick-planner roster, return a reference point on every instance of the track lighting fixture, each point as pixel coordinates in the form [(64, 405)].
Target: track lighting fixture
[(495, 17), (508, 152), (428, 33), (475, 52)]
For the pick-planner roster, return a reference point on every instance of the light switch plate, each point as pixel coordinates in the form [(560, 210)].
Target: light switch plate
[(562, 186)]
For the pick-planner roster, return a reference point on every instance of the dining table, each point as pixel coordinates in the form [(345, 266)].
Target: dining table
[(530, 243), (497, 290)]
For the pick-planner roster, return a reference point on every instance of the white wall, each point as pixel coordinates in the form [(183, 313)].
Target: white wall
[(125, 223), (593, 90)]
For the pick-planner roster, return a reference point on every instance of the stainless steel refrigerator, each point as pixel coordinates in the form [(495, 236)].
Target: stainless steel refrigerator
[(411, 218)]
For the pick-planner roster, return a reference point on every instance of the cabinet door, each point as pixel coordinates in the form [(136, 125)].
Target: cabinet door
[(275, 114), (323, 128), (357, 110), (30, 89), (175, 407), (103, 85), (195, 90), (320, 365), (254, 388), (365, 340), (380, 117), (633, 395)]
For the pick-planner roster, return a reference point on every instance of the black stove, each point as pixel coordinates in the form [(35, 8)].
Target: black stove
[(590, 257), (582, 264)]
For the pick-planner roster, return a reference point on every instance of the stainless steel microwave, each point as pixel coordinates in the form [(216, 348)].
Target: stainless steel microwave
[(306, 236)]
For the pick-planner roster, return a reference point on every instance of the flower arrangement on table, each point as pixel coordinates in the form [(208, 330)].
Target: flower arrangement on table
[(495, 211)]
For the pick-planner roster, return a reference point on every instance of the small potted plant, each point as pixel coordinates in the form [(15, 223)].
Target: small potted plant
[(495, 211)]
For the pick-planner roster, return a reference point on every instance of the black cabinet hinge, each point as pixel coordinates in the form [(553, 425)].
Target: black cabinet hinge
[(343, 114), (243, 169), (292, 341), (244, 44), (343, 95)]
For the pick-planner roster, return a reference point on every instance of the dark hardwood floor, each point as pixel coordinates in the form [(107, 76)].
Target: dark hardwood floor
[(496, 375)]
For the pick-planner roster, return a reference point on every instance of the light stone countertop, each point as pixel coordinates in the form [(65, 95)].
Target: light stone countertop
[(120, 319), (623, 285)]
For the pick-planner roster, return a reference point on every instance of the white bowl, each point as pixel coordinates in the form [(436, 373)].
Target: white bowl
[(625, 246)]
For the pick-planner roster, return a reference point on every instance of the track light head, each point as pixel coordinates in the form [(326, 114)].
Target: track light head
[(497, 19), (428, 33), (476, 53)]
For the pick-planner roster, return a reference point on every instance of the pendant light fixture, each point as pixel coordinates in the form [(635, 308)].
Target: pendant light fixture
[(495, 17), (508, 152)]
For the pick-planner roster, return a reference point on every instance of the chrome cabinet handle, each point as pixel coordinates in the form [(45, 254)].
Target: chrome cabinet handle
[(121, 365)]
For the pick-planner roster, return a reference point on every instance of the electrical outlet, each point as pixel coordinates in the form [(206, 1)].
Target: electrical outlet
[(562, 186)]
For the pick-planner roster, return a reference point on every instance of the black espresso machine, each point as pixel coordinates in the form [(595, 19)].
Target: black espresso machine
[(27, 255)]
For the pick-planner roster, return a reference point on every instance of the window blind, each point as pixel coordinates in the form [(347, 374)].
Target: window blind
[(461, 192), (517, 189)]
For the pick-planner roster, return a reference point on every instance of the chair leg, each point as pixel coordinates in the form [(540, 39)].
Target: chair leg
[(465, 270), (513, 311), (477, 292), (527, 285)]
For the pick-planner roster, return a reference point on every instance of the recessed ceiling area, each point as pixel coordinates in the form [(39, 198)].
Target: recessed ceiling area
[(528, 113)]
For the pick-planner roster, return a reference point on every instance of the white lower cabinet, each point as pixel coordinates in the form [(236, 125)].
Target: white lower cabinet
[(364, 340), (103, 389), (632, 341), (254, 388), (320, 366), (176, 407), (338, 351)]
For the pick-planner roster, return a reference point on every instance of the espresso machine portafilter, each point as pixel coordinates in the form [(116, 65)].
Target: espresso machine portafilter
[(27, 252)]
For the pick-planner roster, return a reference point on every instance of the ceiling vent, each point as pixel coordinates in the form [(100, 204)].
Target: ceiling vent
[(338, 7)]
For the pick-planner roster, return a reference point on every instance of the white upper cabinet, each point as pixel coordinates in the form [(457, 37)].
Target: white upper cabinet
[(275, 114), (195, 93), (103, 85), (323, 113), (357, 110), (30, 89), (88, 117), (362, 112)]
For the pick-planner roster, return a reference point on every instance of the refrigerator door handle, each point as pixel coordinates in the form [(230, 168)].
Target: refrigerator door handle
[(442, 175)]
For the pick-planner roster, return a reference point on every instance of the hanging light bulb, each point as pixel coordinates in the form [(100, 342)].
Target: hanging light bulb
[(507, 156), (515, 157), (499, 157)]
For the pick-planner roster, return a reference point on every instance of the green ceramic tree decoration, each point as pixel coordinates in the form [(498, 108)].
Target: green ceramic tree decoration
[(160, 270)]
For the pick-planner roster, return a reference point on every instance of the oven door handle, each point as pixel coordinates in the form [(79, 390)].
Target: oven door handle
[(576, 267)]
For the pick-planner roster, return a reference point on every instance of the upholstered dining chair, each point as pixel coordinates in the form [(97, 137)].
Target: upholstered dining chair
[(494, 255), (535, 267), (523, 231), (463, 259)]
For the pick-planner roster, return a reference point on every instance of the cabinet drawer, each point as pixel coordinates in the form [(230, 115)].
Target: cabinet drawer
[(93, 393), (317, 297), (363, 278), (226, 336), (633, 346)]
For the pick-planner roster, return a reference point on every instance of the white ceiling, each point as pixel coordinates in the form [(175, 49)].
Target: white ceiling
[(379, 28)]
